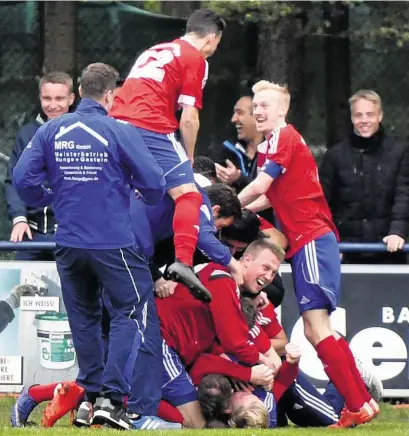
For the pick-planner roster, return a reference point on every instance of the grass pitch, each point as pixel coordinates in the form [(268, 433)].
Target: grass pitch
[(391, 422)]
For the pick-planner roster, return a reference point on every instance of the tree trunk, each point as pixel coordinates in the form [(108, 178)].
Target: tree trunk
[(60, 21), (281, 60), (337, 72)]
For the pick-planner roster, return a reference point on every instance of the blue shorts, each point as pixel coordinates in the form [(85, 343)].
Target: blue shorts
[(178, 388), (171, 157), (317, 274)]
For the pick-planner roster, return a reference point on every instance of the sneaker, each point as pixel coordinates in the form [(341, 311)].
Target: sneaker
[(372, 382), (181, 273), (22, 408), (105, 412), (85, 415), (153, 423), (67, 398), (349, 419)]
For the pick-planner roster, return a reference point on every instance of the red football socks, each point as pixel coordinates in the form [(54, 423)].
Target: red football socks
[(186, 226), (169, 413), (354, 370), (336, 366), (40, 393)]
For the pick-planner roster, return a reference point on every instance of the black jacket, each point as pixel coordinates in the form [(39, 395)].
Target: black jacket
[(39, 219), (236, 153), (366, 183)]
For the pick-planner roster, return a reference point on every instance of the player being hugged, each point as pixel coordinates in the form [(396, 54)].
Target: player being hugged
[(289, 180), (163, 79)]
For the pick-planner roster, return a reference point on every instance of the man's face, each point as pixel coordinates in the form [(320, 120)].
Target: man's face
[(259, 270), (267, 107), (240, 399), (243, 119), (220, 222), (366, 117), (55, 99)]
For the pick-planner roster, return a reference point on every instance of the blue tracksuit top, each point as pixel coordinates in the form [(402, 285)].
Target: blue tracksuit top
[(92, 163)]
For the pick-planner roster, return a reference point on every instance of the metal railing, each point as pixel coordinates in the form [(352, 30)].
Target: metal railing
[(346, 247)]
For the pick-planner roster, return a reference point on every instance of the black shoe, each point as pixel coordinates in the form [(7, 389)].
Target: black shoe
[(181, 273), (114, 415)]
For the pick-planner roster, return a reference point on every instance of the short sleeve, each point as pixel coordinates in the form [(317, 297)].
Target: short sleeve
[(279, 153), (267, 318), (195, 77)]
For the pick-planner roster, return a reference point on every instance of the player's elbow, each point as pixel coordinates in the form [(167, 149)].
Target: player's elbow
[(189, 118)]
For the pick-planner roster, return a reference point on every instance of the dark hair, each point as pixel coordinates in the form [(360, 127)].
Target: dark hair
[(56, 77), (225, 197), (96, 79), (246, 229), (205, 166), (214, 395), (203, 22), (249, 311)]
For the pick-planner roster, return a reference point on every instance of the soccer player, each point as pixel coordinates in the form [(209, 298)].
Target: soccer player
[(190, 327), (163, 78), (92, 163), (289, 178)]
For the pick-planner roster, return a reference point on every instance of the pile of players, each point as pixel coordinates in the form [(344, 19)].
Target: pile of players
[(207, 351)]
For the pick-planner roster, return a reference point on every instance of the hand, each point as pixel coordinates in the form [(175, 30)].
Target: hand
[(262, 300), (273, 360), (393, 243), (19, 229), (164, 288), (228, 174), (21, 291), (261, 375), (293, 354), (242, 386)]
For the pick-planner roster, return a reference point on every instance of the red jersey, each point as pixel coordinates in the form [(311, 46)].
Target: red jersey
[(162, 78), (191, 327), (296, 194), (266, 327)]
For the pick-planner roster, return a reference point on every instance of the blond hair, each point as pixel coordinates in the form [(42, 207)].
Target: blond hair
[(57, 77), (265, 244), (252, 415), (265, 85), (366, 94)]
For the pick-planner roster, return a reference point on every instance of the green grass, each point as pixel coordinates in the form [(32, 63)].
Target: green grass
[(391, 422)]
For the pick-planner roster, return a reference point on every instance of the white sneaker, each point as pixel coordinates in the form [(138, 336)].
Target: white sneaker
[(372, 382)]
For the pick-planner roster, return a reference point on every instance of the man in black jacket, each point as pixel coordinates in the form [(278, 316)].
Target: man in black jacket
[(37, 224), (240, 160), (366, 182)]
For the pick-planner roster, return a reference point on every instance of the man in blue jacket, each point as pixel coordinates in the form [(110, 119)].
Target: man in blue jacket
[(92, 162)]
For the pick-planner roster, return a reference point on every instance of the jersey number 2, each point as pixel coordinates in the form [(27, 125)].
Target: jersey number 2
[(150, 64)]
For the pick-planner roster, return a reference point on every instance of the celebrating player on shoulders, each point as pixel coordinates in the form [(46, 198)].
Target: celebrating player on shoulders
[(163, 79), (289, 179)]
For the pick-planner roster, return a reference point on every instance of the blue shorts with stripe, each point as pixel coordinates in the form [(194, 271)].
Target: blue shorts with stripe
[(171, 157), (177, 388), (317, 274), (306, 407)]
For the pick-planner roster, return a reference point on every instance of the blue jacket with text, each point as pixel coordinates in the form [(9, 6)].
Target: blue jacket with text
[(91, 162)]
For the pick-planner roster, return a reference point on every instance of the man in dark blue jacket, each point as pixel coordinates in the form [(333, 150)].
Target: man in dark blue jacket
[(37, 223), (92, 162)]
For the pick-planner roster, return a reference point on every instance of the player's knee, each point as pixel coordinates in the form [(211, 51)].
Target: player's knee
[(192, 415), (316, 333), (182, 189)]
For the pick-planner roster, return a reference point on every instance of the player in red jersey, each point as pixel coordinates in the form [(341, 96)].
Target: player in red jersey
[(306, 221), (190, 328), (163, 79)]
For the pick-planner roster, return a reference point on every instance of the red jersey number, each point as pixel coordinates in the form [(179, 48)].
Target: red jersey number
[(151, 63)]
